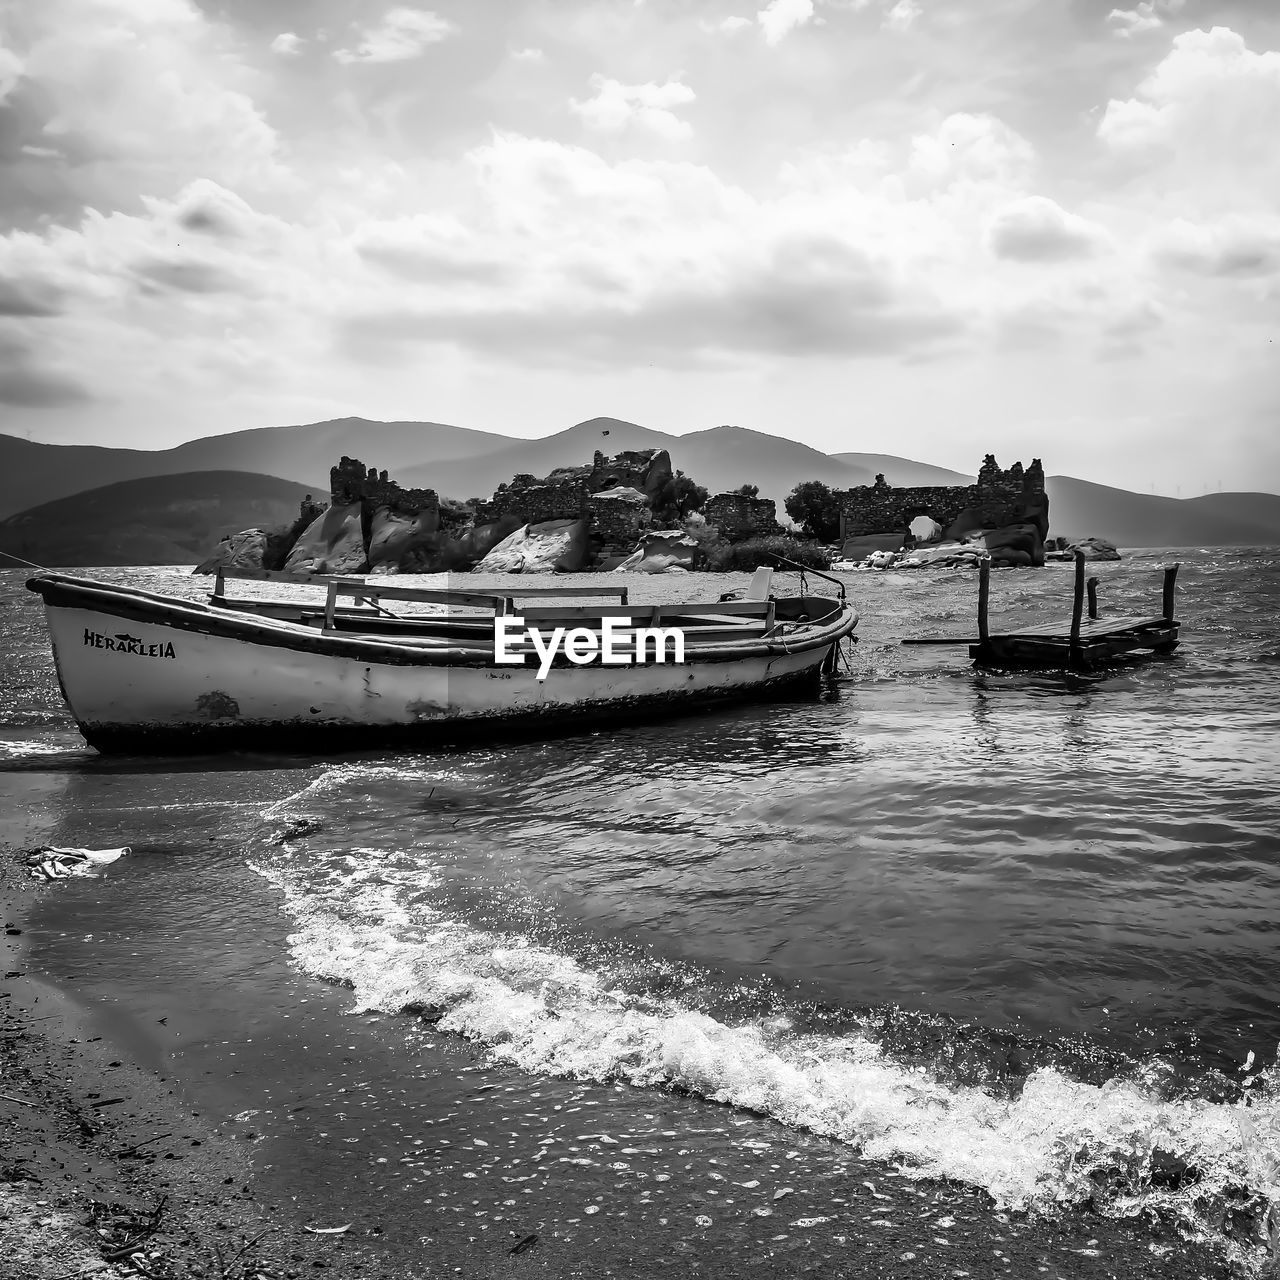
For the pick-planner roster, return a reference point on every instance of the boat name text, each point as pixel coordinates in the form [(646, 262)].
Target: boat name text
[(122, 642), (616, 644)]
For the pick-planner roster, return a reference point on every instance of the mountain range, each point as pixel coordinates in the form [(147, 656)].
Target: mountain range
[(153, 520), (87, 504)]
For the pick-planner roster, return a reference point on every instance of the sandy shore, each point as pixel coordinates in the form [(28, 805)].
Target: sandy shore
[(101, 1151), (105, 1166)]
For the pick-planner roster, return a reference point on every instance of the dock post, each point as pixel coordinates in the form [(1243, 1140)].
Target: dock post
[(1092, 587), (1170, 578), (984, 596), (1077, 609)]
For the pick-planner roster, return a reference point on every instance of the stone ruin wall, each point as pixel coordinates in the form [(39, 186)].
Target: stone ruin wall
[(567, 494), (616, 523), (534, 502), (351, 481), (739, 517), (999, 498)]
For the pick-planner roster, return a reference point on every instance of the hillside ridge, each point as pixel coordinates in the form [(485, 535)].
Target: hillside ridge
[(459, 462)]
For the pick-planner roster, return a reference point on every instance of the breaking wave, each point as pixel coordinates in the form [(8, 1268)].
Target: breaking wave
[(364, 918)]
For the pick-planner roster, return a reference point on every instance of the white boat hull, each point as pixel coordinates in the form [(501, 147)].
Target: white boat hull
[(139, 677)]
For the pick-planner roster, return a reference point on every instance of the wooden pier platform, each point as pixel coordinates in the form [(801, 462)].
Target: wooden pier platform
[(1080, 643)]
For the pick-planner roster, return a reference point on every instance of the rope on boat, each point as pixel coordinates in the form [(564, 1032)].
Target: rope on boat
[(31, 564)]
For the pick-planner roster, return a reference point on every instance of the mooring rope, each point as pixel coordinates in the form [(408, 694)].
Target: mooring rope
[(31, 564)]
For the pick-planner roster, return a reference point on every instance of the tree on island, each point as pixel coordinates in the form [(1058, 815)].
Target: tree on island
[(676, 500), (815, 507)]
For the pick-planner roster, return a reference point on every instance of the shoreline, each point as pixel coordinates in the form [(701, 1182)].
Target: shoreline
[(221, 1191), (103, 1151)]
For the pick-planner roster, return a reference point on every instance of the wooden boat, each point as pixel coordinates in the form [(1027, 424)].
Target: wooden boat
[(149, 673)]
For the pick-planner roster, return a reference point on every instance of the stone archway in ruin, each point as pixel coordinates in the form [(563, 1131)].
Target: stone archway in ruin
[(923, 524)]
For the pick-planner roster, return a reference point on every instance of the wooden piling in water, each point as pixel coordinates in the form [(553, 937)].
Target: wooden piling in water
[(1092, 587), (984, 599), (1077, 609), (1170, 581)]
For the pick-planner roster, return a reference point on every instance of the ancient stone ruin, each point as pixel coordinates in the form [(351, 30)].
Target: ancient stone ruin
[(592, 515), (739, 516), (371, 523), (615, 495), (1005, 514)]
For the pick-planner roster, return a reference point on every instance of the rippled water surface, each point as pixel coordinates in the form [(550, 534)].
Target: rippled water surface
[(1011, 929)]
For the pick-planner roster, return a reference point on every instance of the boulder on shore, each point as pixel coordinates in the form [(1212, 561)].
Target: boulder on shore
[(553, 546), (660, 551), (243, 550), (332, 543), (1095, 549), (393, 535), (1020, 544), (943, 555)]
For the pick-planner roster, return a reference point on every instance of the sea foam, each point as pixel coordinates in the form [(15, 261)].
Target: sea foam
[(360, 919)]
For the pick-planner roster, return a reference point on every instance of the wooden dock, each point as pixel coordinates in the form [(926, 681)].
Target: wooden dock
[(1081, 643)]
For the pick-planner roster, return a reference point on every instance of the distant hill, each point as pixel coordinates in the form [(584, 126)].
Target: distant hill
[(1257, 508), (156, 520), (721, 458), (902, 473), (32, 473), (1078, 508), (224, 476)]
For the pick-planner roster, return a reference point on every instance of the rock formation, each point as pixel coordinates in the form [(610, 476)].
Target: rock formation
[(660, 551), (574, 517), (244, 550), (1093, 548), (333, 543), (369, 523), (395, 535), (553, 546)]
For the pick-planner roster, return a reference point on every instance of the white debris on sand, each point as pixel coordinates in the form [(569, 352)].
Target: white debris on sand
[(50, 863)]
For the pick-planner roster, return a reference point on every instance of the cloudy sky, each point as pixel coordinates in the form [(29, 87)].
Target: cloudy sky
[(934, 228)]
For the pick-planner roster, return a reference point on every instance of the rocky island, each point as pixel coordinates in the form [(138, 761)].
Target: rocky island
[(634, 512), (622, 511)]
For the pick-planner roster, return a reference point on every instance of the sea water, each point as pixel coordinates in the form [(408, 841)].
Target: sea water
[(1017, 931)]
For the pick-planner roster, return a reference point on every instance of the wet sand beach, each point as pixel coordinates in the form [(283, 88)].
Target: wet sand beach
[(291, 1139)]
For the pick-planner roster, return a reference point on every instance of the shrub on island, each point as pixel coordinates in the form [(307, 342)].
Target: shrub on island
[(745, 557)]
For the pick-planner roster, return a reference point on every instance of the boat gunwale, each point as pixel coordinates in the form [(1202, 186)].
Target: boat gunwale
[(139, 605)]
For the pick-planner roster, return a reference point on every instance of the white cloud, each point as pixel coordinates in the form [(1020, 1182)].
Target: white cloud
[(401, 35), (615, 106), (1147, 16), (1233, 248), (902, 16), (973, 148), (136, 94), (527, 55), (641, 262), (287, 44), (731, 24), (1210, 79), (10, 72), (779, 17), (1207, 114), (1035, 229), (205, 274)]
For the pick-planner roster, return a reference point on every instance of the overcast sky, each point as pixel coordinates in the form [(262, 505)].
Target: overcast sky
[(935, 228)]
